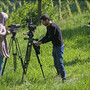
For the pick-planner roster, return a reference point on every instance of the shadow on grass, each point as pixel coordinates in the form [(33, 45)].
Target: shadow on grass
[(76, 61), (69, 34), (80, 34), (81, 38)]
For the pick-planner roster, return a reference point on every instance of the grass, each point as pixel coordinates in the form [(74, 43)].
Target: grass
[(76, 38)]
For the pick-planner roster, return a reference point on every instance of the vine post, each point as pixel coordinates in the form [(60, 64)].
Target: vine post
[(70, 13), (60, 10)]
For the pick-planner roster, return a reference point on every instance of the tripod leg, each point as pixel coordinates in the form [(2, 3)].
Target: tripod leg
[(4, 66), (35, 48), (14, 53), (14, 61), (27, 58), (10, 44), (19, 52), (40, 65), (38, 59)]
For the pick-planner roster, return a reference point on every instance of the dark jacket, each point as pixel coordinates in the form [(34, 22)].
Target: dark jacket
[(53, 34)]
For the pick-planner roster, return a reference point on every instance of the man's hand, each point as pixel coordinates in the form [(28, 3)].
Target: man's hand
[(37, 43), (8, 32)]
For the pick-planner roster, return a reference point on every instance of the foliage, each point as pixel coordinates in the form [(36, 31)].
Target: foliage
[(47, 8), (18, 11), (26, 11), (29, 10)]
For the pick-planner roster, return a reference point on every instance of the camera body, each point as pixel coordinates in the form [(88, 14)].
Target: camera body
[(31, 27), (14, 28), (37, 49)]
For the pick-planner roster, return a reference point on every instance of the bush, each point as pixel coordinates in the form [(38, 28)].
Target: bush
[(28, 10)]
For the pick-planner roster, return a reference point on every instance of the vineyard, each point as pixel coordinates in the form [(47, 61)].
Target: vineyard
[(19, 10), (72, 16)]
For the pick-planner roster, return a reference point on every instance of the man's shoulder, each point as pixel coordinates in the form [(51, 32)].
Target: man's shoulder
[(54, 24)]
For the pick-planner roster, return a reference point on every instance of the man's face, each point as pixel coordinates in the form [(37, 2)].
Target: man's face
[(46, 22)]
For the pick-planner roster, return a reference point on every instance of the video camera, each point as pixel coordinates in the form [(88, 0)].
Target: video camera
[(14, 28), (31, 27)]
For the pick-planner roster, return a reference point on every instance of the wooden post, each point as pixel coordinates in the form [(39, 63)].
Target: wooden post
[(70, 13), (78, 7), (39, 11), (52, 3), (88, 4), (60, 9)]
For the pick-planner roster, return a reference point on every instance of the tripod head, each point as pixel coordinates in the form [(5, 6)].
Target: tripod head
[(14, 29), (31, 28)]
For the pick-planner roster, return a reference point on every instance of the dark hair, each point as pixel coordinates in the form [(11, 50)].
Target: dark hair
[(44, 17)]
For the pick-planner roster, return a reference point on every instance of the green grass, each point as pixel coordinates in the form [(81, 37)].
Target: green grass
[(76, 38)]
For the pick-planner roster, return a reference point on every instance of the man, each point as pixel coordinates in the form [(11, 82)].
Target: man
[(54, 34), (4, 51)]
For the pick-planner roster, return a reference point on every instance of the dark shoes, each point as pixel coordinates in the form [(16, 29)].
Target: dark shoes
[(64, 80)]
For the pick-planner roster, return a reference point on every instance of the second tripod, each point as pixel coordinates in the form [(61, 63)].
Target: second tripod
[(14, 45)]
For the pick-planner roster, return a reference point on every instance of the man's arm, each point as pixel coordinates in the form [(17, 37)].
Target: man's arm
[(38, 43), (43, 40), (46, 38)]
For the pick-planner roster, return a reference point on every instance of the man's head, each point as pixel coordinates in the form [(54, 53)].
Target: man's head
[(45, 19), (3, 18)]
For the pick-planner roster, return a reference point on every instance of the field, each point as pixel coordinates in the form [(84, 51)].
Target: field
[(76, 36), (72, 18)]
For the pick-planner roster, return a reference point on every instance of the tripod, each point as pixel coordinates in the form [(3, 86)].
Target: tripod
[(14, 41), (28, 55)]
